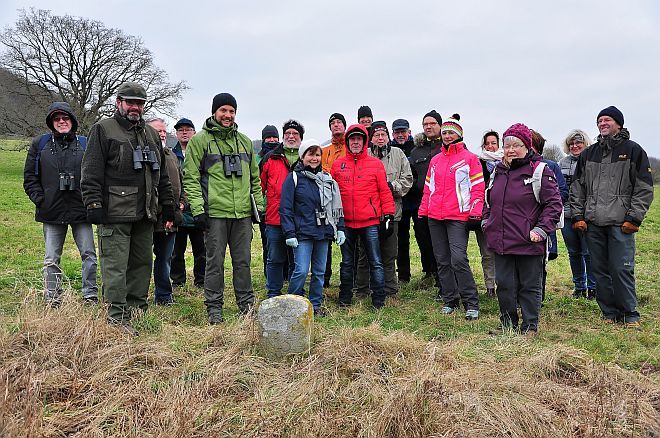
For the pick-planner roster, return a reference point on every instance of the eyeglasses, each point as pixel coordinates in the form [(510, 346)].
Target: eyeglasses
[(513, 146), (61, 118), (430, 124), (575, 143), (185, 130), (292, 134)]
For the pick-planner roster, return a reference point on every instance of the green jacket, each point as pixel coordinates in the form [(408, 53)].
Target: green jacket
[(205, 183)]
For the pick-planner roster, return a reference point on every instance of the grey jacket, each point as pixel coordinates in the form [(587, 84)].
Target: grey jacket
[(612, 182), (399, 173)]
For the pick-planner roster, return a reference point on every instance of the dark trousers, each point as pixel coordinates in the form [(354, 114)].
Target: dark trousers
[(178, 266), (403, 244), (423, 238), (163, 247), (369, 237), (388, 251), (328, 266), (519, 279), (125, 252), (613, 264), (450, 239)]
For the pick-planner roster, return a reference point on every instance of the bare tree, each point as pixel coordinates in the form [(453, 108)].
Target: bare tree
[(83, 62), (553, 152)]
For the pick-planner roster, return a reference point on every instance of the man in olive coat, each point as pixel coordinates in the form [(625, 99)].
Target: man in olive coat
[(123, 183)]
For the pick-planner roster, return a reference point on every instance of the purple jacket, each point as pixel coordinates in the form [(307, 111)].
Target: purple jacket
[(512, 211)]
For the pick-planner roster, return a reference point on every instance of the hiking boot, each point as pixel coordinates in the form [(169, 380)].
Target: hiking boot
[(608, 321), (91, 301), (326, 283), (632, 324), (320, 313), (591, 294), (447, 310), (169, 301), (472, 314), (529, 334), (215, 319), (579, 293), (123, 326), (490, 291)]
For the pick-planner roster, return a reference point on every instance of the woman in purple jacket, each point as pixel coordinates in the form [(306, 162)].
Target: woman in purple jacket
[(517, 226)]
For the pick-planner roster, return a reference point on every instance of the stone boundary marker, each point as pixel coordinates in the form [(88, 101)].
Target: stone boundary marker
[(284, 325)]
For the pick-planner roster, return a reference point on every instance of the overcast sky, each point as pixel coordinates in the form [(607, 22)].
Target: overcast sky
[(551, 65)]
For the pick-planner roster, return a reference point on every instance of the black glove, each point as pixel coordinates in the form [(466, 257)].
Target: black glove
[(389, 184), (385, 230), (202, 221), (473, 223), (167, 213), (95, 215)]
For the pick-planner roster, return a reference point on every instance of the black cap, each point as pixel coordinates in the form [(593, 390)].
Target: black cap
[(379, 125), (613, 112), (400, 124), (269, 131), (223, 99), (435, 115), (294, 124), (364, 111), (336, 116), (131, 91), (184, 122)]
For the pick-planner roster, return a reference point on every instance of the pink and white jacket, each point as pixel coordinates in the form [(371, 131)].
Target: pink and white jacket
[(454, 187)]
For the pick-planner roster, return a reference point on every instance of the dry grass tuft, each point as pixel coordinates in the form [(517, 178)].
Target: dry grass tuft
[(65, 372)]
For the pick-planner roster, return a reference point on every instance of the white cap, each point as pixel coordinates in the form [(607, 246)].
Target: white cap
[(306, 144)]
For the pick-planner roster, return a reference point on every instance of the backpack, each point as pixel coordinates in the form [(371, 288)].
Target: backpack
[(43, 141), (536, 180)]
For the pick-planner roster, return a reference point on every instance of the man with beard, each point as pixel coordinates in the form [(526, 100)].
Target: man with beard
[(611, 193), (123, 184)]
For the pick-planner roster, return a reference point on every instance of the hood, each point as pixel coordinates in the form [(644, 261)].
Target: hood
[(61, 107), (214, 128), (357, 128)]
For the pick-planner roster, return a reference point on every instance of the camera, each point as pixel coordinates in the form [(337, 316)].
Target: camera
[(67, 181), (233, 165), (321, 217), (144, 156), (569, 179)]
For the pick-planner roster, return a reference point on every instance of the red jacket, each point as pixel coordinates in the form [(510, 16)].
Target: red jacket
[(454, 188), (274, 170), (362, 181)]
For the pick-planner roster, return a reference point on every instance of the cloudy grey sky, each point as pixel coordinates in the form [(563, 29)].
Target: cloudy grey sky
[(551, 65)]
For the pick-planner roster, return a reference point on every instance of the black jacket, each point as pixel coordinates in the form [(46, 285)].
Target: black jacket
[(61, 154), (420, 158)]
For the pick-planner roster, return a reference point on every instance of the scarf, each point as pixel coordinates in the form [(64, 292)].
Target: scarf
[(329, 194), (491, 158)]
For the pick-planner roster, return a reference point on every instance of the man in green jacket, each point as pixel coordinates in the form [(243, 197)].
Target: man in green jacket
[(123, 183), (220, 178)]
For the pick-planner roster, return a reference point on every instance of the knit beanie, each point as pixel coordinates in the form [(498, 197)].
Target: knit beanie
[(223, 99), (336, 116), (613, 112), (364, 111), (306, 145), (435, 115), (452, 125), (269, 131), (294, 124), (521, 132), (378, 126)]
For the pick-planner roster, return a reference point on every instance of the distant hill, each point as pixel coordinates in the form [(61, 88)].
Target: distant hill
[(18, 113)]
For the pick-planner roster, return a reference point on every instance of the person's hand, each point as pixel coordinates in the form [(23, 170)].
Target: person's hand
[(202, 221), (386, 229), (473, 223), (169, 226), (341, 238), (167, 213), (580, 226), (292, 242), (95, 215), (629, 227), (535, 237)]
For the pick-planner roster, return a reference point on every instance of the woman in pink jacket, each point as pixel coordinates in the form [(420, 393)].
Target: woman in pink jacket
[(452, 201)]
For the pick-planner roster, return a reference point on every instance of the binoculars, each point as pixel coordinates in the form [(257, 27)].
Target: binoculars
[(67, 181), (144, 156), (321, 217), (233, 165)]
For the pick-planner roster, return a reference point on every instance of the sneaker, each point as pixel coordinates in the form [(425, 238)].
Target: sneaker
[(591, 294), (579, 293), (169, 301), (472, 314), (123, 326), (446, 310), (215, 318), (632, 324), (90, 301)]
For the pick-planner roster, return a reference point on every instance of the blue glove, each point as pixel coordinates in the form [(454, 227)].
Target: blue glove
[(292, 242), (341, 238)]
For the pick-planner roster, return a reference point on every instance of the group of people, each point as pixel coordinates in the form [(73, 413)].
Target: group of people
[(361, 191)]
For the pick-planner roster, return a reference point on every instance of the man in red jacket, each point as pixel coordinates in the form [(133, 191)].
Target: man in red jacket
[(368, 208)]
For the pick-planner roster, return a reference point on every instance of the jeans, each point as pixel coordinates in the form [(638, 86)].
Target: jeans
[(613, 263), (237, 233), (316, 253), (277, 260), (519, 282), (578, 257), (178, 266), (54, 237), (369, 238), (163, 247), (450, 239)]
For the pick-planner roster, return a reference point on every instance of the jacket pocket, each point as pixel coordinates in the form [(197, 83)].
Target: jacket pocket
[(122, 201)]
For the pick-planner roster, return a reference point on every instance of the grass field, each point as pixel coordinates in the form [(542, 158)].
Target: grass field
[(168, 373)]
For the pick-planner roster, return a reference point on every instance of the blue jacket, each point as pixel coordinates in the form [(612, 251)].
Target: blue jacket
[(298, 207)]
